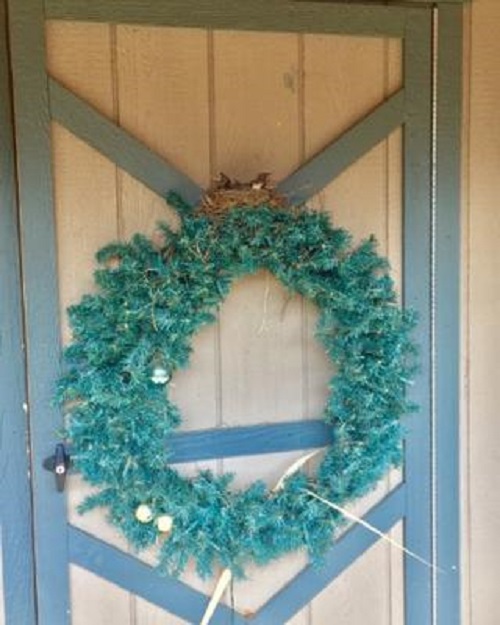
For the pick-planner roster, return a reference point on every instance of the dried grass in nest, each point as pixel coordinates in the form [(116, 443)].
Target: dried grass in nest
[(226, 194)]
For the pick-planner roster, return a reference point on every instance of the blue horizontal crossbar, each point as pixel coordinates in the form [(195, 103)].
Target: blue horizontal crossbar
[(179, 598), (251, 440), (248, 441)]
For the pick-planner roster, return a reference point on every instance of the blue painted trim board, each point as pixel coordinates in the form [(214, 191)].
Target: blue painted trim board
[(173, 595), (38, 251), (152, 170), (417, 229), (16, 543), (117, 145), (250, 440), (129, 573), (448, 202), (313, 579), (330, 162), (260, 15)]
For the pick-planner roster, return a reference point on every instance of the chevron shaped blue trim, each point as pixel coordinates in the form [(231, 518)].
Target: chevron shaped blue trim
[(314, 175), (161, 177), (302, 589), (178, 598)]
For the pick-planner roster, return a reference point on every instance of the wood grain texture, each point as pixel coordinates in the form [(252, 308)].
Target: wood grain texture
[(345, 551), (119, 146), (162, 82), (79, 56), (344, 151), (340, 597), (365, 199), (256, 95), (127, 571), (241, 103), (483, 341), (86, 219), (76, 50), (163, 99), (96, 601)]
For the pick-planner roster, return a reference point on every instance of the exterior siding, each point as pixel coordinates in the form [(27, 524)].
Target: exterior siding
[(481, 315)]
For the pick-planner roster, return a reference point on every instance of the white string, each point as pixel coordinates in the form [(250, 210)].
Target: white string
[(374, 530)]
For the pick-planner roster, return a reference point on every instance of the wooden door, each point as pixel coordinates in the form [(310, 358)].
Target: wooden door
[(336, 102)]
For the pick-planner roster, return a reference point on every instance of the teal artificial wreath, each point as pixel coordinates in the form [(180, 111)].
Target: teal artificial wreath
[(130, 337)]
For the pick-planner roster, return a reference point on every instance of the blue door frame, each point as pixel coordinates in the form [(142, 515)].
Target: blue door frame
[(428, 108), (16, 545)]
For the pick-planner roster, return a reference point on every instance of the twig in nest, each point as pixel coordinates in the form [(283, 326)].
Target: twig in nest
[(225, 194)]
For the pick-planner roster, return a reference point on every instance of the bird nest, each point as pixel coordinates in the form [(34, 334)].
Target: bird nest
[(225, 194)]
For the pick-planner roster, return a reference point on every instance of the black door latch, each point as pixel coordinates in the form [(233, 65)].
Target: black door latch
[(59, 464)]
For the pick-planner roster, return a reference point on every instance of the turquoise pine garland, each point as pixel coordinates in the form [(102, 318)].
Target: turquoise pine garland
[(151, 302)]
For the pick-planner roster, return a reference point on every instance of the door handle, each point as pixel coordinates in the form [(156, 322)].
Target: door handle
[(59, 464)]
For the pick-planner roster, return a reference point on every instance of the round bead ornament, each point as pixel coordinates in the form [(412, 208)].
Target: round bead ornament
[(144, 514), (160, 376), (137, 330), (164, 523)]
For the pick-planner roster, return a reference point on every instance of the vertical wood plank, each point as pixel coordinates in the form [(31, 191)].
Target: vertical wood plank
[(86, 217), (150, 614), (396, 573), (346, 77), (484, 310), (162, 85), (163, 99), (356, 596), (257, 117), (256, 104), (97, 601), (79, 56)]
